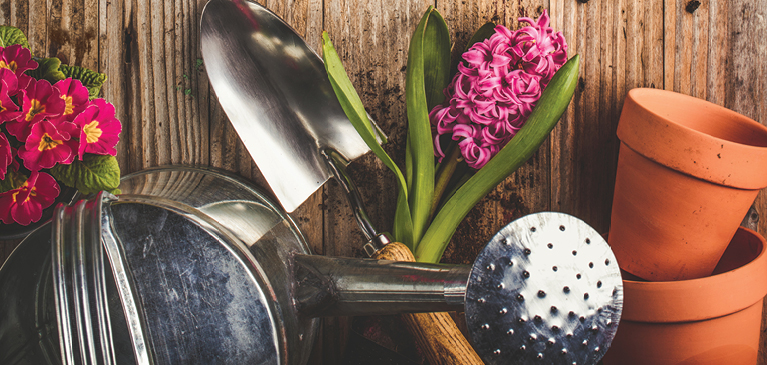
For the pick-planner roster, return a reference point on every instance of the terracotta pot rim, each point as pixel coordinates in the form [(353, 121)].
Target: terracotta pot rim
[(650, 299), (683, 148)]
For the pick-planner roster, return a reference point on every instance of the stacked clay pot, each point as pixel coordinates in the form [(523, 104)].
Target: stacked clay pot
[(688, 171)]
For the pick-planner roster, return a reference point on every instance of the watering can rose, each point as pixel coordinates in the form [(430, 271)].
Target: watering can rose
[(496, 88)]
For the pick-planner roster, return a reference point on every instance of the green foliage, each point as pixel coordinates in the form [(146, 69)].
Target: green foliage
[(94, 173), (11, 35), (427, 74), (355, 111), (92, 80), (550, 107), (13, 180), (48, 69)]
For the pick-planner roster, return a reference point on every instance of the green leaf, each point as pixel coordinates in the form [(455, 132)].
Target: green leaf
[(436, 59), (92, 80), (355, 111), (484, 32), (419, 129), (94, 173), (549, 109), (48, 69), (13, 180), (12, 35)]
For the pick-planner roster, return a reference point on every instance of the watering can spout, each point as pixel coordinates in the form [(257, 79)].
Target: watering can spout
[(334, 286)]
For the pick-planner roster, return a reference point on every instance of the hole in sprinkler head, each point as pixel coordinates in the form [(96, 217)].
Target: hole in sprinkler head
[(541, 293), (599, 284), (532, 337), (550, 245), (539, 356), (522, 348), (578, 276), (588, 241), (607, 262), (562, 228), (525, 274), (538, 319), (555, 328), (553, 309), (520, 297), (554, 268), (591, 265), (521, 320), (532, 229), (566, 290), (527, 251), (575, 252), (497, 352), (586, 296), (582, 319)]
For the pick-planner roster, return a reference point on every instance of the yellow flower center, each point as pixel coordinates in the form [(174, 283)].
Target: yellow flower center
[(69, 109), (2, 108), (11, 66), (47, 143), (32, 193), (35, 108), (92, 131)]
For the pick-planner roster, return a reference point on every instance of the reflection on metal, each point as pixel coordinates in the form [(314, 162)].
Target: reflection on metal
[(201, 267), (275, 91), (550, 287)]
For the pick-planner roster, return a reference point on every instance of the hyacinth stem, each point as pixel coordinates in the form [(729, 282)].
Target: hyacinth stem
[(444, 175)]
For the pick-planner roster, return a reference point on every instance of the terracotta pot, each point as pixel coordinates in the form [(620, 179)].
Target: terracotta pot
[(688, 170), (711, 320)]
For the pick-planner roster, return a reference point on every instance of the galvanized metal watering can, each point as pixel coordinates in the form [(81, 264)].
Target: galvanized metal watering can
[(193, 265)]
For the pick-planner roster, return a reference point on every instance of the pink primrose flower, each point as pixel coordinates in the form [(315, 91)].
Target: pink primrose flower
[(496, 88), (9, 84), (40, 100), (25, 204), (6, 155), (75, 97), (99, 129), (49, 142), (17, 59)]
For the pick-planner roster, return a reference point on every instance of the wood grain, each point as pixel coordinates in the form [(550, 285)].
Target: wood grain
[(150, 50)]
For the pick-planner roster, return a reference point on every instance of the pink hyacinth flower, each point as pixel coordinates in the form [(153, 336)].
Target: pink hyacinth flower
[(75, 97), (25, 204), (40, 100), (496, 88), (99, 129), (17, 59), (544, 51), (9, 84), (6, 155), (49, 143)]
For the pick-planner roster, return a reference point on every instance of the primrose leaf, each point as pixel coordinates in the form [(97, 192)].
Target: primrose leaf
[(48, 69), (92, 80), (93, 174), (13, 180), (12, 35)]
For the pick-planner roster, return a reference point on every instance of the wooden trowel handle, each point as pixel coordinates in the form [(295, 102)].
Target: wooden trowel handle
[(436, 333)]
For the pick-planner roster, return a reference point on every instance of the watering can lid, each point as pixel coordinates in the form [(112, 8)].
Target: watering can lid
[(186, 288)]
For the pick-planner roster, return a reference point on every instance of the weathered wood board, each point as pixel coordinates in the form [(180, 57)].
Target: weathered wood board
[(712, 49)]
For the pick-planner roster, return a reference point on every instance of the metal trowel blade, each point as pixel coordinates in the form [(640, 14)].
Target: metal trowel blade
[(275, 91)]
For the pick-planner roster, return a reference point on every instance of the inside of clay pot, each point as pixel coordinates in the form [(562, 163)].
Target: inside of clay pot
[(743, 248), (702, 116)]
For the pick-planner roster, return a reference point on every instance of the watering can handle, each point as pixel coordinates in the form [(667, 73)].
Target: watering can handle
[(436, 333)]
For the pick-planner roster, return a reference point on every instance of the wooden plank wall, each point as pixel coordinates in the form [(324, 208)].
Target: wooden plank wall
[(712, 49)]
